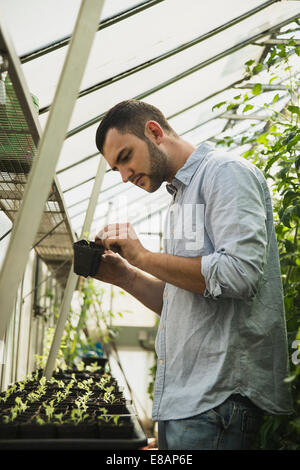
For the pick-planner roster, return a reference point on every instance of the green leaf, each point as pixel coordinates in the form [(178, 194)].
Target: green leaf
[(257, 89), (286, 217), (249, 62), (257, 68), (271, 80), (290, 378), (218, 105), (263, 139), (294, 110), (248, 107), (296, 210), (275, 98), (289, 196), (230, 106), (289, 246)]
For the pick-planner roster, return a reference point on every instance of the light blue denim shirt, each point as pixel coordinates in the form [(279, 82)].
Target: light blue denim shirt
[(233, 338)]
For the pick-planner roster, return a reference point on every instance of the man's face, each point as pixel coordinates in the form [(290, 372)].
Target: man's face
[(139, 161)]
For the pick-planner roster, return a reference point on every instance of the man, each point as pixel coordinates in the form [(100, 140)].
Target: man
[(221, 343)]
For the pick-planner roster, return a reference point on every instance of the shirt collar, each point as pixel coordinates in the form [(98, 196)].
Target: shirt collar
[(187, 171)]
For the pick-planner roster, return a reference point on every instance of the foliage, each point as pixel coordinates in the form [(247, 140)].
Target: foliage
[(90, 310), (274, 147), (76, 339), (50, 393)]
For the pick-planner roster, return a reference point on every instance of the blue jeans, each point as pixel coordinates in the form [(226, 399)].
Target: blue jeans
[(233, 425)]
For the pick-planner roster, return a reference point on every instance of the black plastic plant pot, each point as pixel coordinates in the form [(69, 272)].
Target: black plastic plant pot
[(79, 431), (37, 431), (87, 258), (100, 361), (113, 409), (9, 431), (111, 431)]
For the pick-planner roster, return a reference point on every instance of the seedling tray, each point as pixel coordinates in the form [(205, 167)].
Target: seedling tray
[(109, 420), (137, 441)]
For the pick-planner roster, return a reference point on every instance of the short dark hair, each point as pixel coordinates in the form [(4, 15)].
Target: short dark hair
[(130, 116)]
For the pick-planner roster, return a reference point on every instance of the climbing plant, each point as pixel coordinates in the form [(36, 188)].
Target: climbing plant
[(273, 145), (90, 310)]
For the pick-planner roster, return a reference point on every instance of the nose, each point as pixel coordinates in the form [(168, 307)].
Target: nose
[(125, 174)]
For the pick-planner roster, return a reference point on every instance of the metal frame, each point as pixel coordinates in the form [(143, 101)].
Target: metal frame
[(186, 73), (277, 42), (106, 23), (70, 289), (43, 169), (223, 115), (168, 54), (72, 279), (34, 128)]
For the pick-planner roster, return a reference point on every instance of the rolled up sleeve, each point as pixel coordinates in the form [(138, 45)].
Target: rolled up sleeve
[(235, 220)]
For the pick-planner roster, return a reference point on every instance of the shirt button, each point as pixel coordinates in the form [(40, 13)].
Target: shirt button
[(161, 362), (165, 294)]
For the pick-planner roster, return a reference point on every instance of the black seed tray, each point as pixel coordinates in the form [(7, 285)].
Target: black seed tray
[(136, 441)]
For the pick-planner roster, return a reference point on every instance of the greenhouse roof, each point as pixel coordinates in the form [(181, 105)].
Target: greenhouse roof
[(183, 57)]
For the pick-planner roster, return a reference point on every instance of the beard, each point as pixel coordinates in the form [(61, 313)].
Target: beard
[(158, 166)]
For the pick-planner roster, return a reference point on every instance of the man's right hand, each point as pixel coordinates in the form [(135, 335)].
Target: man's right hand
[(114, 269)]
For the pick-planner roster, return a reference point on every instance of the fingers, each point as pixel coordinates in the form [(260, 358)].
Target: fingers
[(114, 232), (111, 257), (109, 228)]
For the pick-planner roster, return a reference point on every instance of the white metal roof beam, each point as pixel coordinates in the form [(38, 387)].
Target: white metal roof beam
[(106, 23), (174, 51), (72, 279), (43, 169), (187, 72), (278, 42)]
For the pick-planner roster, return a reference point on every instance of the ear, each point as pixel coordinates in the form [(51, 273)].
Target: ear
[(154, 131)]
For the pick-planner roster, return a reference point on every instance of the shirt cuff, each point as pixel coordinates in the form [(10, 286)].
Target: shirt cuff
[(208, 268)]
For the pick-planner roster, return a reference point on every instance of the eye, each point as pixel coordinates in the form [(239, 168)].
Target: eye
[(126, 157)]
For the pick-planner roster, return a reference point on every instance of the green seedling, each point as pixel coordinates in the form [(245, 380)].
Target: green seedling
[(9, 392), (59, 396), (103, 381), (108, 418), (33, 396), (39, 420), (58, 418), (6, 396), (108, 396), (10, 418), (21, 386), (80, 366), (93, 367), (78, 415), (85, 384), (21, 407), (49, 409)]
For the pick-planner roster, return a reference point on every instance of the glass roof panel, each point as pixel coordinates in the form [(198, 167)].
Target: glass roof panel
[(50, 20), (75, 175), (125, 45), (136, 40)]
